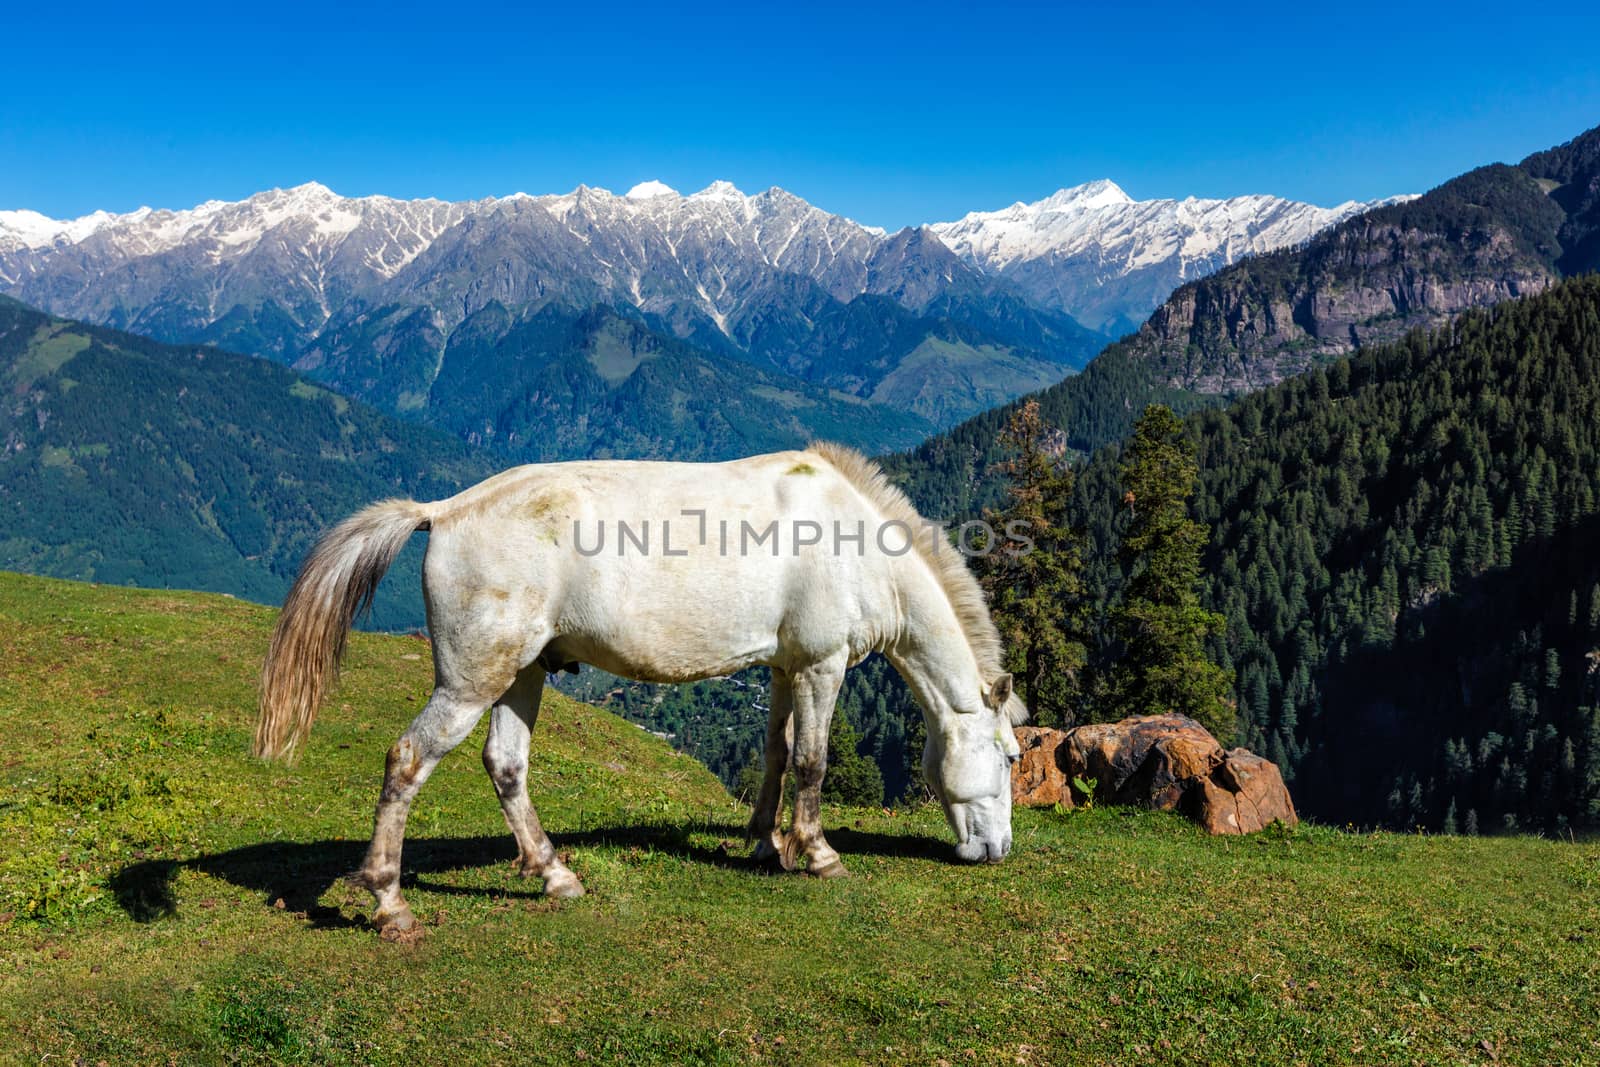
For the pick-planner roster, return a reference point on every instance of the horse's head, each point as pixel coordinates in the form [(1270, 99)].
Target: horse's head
[(967, 763)]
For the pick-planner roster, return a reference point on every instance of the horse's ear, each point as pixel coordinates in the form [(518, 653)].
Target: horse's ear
[(999, 692)]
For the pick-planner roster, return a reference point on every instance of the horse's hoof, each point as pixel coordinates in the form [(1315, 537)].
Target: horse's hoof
[(832, 869), (398, 926), (564, 886)]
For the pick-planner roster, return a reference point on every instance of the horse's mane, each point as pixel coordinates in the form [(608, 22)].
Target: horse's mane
[(943, 559)]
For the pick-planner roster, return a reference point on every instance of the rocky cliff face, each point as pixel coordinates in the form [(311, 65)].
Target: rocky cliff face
[(1494, 234), (1235, 336)]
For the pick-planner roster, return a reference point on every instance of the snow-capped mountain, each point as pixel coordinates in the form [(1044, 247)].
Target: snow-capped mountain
[(368, 292), (372, 293), (1090, 251), (309, 251), (1108, 260)]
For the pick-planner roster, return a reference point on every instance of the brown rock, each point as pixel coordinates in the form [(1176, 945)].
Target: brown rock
[(1245, 794), (1146, 759), (1166, 762), (1037, 779)]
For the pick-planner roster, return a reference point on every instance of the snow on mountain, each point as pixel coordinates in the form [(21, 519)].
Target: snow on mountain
[(310, 253), (649, 190), (1109, 260), (29, 229), (277, 271)]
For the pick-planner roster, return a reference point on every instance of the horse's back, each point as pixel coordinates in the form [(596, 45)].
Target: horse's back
[(660, 569)]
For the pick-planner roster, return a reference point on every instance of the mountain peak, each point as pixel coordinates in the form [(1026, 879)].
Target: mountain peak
[(1116, 241), (1089, 196), (650, 190), (305, 193), (720, 190)]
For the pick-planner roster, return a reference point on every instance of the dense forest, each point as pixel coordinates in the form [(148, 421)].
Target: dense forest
[(952, 476)]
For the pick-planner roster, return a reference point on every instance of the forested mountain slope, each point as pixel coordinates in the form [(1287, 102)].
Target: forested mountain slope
[(576, 385), (131, 462), (1403, 547), (952, 476)]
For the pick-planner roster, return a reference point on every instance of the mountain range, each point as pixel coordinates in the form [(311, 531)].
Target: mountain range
[(1493, 234), (1109, 260), (371, 295)]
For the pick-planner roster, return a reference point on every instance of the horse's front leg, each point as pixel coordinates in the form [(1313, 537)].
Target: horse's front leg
[(768, 814), (442, 725), (815, 689), (505, 757)]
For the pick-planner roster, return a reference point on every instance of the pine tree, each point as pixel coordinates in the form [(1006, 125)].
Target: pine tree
[(1034, 575), (1160, 623), (748, 785), (852, 778)]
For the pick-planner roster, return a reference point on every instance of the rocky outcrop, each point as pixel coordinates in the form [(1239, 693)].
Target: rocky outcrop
[(1037, 779), (1244, 794), (1271, 319), (1165, 762)]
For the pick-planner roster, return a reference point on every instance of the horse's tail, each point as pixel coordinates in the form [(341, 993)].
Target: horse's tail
[(336, 582)]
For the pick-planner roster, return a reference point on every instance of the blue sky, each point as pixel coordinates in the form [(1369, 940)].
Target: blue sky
[(889, 113)]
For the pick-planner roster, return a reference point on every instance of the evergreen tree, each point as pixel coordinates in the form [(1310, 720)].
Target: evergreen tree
[(748, 785), (1162, 627), (852, 778), (1034, 575)]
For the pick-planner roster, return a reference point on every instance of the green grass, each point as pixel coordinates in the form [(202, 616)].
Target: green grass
[(167, 899), (52, 347)]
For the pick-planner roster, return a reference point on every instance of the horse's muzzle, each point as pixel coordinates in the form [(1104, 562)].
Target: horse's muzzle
[(983, 851)]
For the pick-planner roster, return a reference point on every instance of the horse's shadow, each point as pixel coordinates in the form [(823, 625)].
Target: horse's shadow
[(296, 875)]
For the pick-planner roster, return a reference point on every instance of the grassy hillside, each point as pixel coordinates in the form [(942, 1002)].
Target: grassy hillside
[(168, 900)]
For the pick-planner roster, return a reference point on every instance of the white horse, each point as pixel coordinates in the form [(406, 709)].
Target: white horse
[(663, 572)]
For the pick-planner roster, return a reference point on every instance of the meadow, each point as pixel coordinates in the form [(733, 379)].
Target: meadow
[(164, 899)]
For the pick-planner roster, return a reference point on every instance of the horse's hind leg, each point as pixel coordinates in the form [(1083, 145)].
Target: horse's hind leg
[(505, 757), (442, 725), (769, 802)]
